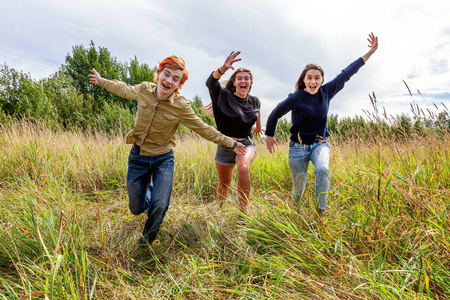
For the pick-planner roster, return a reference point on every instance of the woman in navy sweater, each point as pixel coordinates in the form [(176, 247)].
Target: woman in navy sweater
[(309, 105), (235, 112)]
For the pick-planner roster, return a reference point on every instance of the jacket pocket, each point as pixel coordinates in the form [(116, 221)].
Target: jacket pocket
[(144, 115), (164, 122)]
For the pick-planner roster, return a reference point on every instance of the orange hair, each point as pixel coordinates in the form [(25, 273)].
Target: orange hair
[(176, 63)]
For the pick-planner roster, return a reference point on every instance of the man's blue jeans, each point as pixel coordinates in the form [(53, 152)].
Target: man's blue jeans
[(299, 157), (149, 184)]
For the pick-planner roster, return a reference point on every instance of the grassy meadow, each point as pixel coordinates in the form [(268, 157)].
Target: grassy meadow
[(66, 231)]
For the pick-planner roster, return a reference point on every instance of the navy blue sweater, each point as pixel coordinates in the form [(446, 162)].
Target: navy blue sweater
[(309, 112)]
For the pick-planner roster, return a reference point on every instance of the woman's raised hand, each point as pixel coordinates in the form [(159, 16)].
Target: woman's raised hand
[(373, 45), (231, 59), (373, 41)]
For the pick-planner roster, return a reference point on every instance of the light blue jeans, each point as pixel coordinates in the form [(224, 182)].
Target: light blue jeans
[(149, 184), (299, 157)]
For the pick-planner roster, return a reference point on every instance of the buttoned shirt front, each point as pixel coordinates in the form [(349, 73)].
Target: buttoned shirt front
[(157, 120)]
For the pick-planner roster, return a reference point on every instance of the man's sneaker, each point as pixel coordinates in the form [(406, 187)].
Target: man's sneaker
[(142, 242)]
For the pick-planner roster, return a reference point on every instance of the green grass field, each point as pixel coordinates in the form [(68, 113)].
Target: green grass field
[(66, 231)]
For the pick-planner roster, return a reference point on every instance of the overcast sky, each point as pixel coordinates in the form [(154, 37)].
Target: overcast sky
[(277, 39)]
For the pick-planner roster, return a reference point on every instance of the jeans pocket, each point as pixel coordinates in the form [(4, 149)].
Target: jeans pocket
[(297, 150), (135, 153)]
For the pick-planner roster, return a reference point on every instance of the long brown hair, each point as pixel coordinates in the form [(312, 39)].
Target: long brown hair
[(300, 85), (229, 85)]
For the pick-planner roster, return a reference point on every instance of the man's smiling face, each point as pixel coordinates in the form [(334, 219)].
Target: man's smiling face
[(168, 81)]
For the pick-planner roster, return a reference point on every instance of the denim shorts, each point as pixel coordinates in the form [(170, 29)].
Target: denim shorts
[(227, 157)]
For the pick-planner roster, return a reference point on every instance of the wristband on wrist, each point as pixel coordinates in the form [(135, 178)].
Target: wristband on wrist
[(218, 70), (234, 145)]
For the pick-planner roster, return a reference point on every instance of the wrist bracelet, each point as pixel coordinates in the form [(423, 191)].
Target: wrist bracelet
[(234, 145), (218, 70)]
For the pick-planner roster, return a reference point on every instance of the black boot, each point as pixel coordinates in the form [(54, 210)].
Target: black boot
[(148, 236)]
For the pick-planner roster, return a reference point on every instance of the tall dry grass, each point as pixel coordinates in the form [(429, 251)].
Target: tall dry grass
[(66, 231)]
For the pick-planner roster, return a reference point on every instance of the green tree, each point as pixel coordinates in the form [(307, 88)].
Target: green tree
[(197, 105), (115, 119), (74, 109), (82, 60), (78, 66), (282, 131), (136, 73), (10, 86), (22, 96), (443, 119), (34, 102), (403, 126), (333, 125)]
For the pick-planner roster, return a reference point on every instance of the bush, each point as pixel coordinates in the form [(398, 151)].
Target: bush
[(115, 119)]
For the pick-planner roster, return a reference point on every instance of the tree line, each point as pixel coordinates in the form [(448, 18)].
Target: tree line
[(66, 100)]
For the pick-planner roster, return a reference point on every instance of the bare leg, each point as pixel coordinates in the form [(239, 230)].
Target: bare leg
[(225, 175), (243, 177)]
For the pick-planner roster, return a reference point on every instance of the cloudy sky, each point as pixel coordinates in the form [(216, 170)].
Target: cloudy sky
[(277, 39)]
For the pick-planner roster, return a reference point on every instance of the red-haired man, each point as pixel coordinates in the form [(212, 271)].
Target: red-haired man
[(161, 109)]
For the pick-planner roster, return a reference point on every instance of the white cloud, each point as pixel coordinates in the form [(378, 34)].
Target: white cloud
[(277, 39)]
